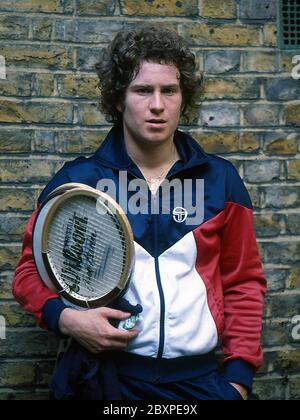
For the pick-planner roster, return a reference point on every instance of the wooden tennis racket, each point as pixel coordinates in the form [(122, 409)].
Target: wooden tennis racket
[(83, 246)]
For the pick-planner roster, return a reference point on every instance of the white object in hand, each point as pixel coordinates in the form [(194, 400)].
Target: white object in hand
[(129, 323)]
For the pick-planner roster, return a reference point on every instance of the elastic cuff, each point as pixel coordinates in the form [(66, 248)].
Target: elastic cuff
[(239, 372), (51, 313)]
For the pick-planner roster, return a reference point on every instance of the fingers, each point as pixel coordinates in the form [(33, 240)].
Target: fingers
[(114, 313), (124, 335), (108, 342), (97, 334)]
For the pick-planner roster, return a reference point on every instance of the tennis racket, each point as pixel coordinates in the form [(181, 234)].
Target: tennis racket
[(83, 246)]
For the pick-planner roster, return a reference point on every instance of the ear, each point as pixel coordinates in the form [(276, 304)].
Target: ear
[(120, 107)]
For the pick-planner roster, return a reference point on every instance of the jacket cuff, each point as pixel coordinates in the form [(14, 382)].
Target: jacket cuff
[(51, 313), (239, 372)]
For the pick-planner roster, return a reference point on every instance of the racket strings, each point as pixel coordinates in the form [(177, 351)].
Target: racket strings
[(88, 284), (96, 240), (109, 270), (115, 226), (101, 247)]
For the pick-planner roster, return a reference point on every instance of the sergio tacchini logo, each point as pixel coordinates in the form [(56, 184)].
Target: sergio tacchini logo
[(180, 214)]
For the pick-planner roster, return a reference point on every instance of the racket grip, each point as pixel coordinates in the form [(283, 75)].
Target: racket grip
[(129, 323), (123, 305)]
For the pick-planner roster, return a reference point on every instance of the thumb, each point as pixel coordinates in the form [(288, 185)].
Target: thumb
[(115, 314)]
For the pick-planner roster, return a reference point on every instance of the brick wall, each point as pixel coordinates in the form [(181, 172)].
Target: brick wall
[(250, 115)]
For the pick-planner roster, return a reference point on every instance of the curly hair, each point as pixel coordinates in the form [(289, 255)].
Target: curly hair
[(120, 63)]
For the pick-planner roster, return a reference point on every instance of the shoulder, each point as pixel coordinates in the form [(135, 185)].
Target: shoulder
[(82, 170), (235, 189)]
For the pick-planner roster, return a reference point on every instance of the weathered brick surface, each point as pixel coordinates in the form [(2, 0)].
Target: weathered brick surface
[(262, 171), (220, 116), (13, 141), (79, 142), (231, 88), (292, 114), (258, 9), (78, 86), (202, 34), (270, 33), (42, 28), (29, 343), (282, 90), (14, 316), (261, 115), (13, 27), (26, 373), (12, 227), (281, 196), (294, 170), (28, 171), (9, 256), (16, 199), (37, 56), (222, 61), (30, 394), (268, 225), (35, 112), (250, 115), (219, 9), (5, 286), (293, 281), (16, 84), (281, 143), (260, 62), (160, 8), (97, 8), (35, 6), (276, 279)]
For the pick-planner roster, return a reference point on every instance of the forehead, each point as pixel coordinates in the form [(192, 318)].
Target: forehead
[(155, 73)]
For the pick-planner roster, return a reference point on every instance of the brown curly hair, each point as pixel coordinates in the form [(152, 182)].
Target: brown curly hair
[(120, 63)]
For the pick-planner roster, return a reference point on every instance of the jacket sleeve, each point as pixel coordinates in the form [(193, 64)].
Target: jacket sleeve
[(28, 288), (244, 286)]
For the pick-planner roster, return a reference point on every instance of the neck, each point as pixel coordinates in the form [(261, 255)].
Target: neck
[(151, 155)]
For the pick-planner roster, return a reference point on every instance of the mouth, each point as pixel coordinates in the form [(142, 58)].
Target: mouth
[(157, 123)]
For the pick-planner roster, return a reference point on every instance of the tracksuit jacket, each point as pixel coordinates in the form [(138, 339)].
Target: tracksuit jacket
[(199, 284)]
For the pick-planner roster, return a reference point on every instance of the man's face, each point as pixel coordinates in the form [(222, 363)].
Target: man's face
[(153, 102)]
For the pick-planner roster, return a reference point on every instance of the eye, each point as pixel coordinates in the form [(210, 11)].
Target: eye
[(170, 91), (143, 91)]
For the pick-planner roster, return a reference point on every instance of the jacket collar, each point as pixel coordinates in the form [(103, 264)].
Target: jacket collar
[(113, 153)]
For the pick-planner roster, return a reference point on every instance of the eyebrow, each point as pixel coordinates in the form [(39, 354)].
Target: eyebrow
[(171, 86)]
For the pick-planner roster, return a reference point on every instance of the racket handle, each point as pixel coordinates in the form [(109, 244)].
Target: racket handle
[(129, 323)]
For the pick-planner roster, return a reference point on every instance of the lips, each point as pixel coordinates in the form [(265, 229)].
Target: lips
[(157, 121)]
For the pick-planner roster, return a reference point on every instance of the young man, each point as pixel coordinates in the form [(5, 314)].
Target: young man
[(199, 281)]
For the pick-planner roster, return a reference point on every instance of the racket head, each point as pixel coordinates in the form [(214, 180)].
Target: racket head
[(103, 239)]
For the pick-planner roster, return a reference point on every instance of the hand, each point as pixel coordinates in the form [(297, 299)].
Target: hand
[(241, 389), (93, 330)]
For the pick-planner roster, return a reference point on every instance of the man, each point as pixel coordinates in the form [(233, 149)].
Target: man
[(199, 282)]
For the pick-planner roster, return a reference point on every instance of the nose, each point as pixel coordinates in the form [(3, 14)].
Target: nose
[(156, 103)]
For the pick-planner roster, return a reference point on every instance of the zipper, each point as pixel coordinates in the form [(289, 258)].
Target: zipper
[(161, 294), (157, 275)]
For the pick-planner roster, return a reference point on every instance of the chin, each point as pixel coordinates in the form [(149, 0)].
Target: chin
[(157, 140), (158, 137)]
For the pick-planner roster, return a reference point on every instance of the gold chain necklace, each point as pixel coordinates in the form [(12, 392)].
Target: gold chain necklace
[(153, 182)]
